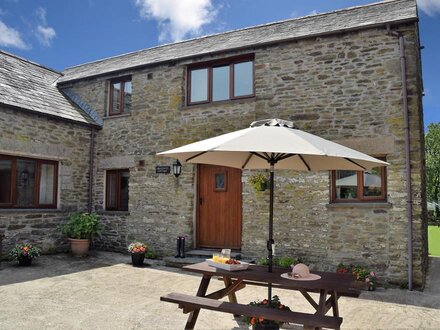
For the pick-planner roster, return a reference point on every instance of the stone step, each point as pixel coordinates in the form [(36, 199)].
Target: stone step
[(206, 254), (180, 262)]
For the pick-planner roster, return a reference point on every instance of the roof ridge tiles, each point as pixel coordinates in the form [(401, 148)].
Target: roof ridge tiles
[(235, 30), (30, 62)]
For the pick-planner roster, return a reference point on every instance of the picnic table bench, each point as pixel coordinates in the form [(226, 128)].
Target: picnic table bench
[(330, 287)]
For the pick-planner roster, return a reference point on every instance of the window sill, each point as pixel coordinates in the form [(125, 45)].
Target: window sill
[(105, 212), (32, 211), (213, 104), (361, 205), (117, 116)]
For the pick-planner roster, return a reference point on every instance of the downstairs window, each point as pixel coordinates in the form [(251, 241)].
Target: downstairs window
[(28, 182)]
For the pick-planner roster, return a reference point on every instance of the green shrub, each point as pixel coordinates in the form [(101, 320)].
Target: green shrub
[(82, 226), (151, 254), (280, 262)]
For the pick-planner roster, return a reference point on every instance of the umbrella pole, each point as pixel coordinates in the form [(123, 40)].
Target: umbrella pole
[(270, 242)]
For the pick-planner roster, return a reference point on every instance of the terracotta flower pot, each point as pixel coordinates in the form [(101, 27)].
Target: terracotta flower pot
[(25, 261), (79, 247), (137, 259)]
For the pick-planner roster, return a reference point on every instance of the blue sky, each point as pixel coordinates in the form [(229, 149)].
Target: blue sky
[(60, 34)]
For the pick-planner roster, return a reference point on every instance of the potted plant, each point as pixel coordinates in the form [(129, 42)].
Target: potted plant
[(137, 250), (25, 253), (259, 181), (362, 274), (261, 323), (80, 229)]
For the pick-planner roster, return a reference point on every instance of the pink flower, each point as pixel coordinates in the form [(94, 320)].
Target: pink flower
[(373, 274)]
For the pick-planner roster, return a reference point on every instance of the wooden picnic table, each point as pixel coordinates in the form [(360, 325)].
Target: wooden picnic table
[(330, 287)]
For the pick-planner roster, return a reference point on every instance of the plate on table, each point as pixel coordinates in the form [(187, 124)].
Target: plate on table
[(232, 268)]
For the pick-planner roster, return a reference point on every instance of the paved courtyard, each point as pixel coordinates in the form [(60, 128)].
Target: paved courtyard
[(104, 291)]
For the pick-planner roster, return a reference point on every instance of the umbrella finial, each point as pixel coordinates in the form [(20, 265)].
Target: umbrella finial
[(273, 122)]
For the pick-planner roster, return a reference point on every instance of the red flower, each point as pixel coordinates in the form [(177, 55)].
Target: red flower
[(261, 319), (265, 301), (253, 320)]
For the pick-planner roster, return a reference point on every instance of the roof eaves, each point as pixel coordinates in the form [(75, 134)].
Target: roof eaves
[(47, 115)]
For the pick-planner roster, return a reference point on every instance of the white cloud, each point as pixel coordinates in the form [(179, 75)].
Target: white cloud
[(9, 37), (44, 33), (178, 18), (41, 14), (430, 7)]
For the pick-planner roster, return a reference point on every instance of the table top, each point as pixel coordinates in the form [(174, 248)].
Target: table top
[(341, 283)]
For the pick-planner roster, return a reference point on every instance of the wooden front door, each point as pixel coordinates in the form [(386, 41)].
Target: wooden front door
[(219, 207)]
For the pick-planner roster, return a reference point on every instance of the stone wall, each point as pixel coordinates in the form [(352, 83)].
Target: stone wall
[(343, 87), (30, 135)]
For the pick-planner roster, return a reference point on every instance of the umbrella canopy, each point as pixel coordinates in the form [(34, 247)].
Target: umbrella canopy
[(273, 140), (270, 144)]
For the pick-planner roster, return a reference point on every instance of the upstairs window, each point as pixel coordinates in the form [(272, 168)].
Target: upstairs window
[(28, 183), (220, 81), (120, 96), (359, 186), (117, 190)]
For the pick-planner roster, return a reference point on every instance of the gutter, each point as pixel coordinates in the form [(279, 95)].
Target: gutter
[(91, 157), (407, 152)]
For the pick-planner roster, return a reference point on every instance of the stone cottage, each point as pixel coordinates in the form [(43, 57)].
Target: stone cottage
[(86, 139)]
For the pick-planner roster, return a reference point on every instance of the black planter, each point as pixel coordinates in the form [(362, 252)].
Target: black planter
[(137, 259), (25, 261), (270, 326)]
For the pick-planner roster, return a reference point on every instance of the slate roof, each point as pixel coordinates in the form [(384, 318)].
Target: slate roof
[(29, 86), (377, 14)]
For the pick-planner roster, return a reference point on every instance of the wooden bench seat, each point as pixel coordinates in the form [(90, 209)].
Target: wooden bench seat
[(194, 302)]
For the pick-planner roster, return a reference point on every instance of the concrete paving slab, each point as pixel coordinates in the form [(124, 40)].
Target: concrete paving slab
[(105, 292)]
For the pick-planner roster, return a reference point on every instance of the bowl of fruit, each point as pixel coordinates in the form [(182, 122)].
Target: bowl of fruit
[(229, 264)]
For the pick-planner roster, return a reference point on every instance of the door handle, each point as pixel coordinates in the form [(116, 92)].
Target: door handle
[(200, 201)]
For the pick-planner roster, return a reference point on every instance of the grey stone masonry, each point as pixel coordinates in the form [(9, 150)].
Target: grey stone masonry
[(344, 87), (28, 135)]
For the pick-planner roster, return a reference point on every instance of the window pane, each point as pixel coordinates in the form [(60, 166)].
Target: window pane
[(127, 96), (25, 182), (243, 78), (220, 83), (199, 85), (116, 98), (346, 184), (123, 202), (373, 182), (5, 180), (112, 181), (47, 184)]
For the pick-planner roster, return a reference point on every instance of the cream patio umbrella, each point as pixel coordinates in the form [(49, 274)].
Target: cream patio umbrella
[(270, 144)]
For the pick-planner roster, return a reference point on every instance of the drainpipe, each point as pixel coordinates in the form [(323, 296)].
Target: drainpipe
[(91, 156), (407, 153)]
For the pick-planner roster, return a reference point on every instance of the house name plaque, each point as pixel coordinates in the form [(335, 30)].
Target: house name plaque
[(163, 169)]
